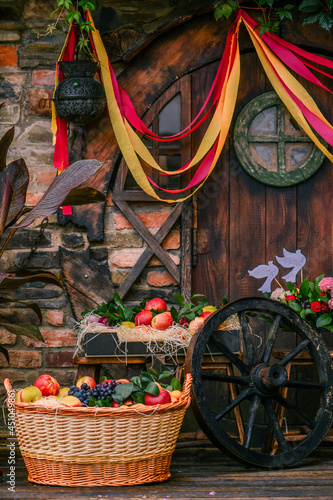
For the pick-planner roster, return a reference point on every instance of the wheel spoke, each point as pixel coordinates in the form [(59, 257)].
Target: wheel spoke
[(235, 402), (300, 384), (271, 339), (252, 418), (231, 379), (247, 339), (230, 355), (294, 353), (283, 402), (275, 425)]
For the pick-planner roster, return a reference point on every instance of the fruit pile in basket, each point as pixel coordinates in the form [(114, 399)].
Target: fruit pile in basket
[(144, 389), (152, 313)]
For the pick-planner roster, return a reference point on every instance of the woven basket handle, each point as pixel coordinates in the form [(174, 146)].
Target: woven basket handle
[(8, 386), (186, 386)]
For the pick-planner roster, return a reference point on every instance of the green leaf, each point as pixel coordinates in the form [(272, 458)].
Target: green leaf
[(138, 397), (31, 331), (311, 19), (310, 5), (224, 300), (304, 289), (232, 4), (296, 307), (146, 377), (326, 21), (163, 375), (92, 401), (222, 11), (323, 320), (318, 279), (176, 385), (152, 389), (288, 15), (290, 286), (124, 390), (179, 299), (174, 314), (329, 328)]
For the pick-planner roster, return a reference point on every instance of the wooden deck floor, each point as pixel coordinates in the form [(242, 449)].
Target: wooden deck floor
[(198, 473)]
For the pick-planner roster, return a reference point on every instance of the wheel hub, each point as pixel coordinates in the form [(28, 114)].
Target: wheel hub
[(265, 380)]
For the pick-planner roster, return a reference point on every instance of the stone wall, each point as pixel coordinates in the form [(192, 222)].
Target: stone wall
[(26, 85)]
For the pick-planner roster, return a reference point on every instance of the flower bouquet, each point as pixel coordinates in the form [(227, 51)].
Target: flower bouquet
[(313, 301)]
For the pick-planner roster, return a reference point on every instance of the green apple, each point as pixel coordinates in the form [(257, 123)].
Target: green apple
[(18, 396), (63, 392), (30, 394)]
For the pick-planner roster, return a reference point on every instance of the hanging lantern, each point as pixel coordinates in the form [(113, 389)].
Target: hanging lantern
[(79, 98)]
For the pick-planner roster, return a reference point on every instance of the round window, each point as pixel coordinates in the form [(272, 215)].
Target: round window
[(271, 146)]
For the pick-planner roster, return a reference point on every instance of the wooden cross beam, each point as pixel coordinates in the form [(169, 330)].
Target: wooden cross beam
[(154, 244)]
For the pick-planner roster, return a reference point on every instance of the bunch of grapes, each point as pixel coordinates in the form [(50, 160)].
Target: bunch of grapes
[(100, 391), (83, 393)]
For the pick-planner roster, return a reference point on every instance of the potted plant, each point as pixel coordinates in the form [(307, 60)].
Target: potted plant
[(79, 98)]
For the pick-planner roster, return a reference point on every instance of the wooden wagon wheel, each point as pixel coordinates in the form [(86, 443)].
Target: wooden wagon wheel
[(263, 385)]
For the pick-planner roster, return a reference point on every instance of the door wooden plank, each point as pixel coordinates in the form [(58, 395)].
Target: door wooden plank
[(247, 200)]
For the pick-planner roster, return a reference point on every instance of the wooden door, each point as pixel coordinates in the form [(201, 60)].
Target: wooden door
[(242, 222)]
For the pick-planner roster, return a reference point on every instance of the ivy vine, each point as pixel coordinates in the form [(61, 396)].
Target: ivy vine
[(316, 11), (73, 10)]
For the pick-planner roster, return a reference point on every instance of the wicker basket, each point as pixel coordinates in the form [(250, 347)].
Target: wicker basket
[(99, 446)]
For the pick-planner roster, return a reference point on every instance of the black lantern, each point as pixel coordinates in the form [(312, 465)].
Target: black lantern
[(79, 98)]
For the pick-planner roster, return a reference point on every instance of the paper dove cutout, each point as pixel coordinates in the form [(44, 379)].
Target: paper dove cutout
[(263, 271), (296, 260)]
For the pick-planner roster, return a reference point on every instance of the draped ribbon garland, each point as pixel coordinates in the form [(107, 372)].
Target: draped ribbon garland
[(274, 53)]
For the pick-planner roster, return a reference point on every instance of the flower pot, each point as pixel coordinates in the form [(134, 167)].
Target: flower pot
[(79, 98)]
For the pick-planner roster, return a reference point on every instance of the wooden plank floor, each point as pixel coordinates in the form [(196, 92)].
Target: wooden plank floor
[(198, 473)]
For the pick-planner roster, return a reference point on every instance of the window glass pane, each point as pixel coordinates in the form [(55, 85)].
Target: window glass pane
[(265, 122), (169, 117), (168, 162), (146, 140), (296, 155), (265, 155)]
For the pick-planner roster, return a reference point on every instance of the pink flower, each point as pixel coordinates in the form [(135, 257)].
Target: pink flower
[(326, 284), (330, 303)]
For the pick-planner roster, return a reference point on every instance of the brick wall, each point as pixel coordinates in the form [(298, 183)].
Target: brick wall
[(26, 85)]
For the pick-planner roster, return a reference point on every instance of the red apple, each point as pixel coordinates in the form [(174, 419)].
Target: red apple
[(143, 318), (196, 324), (162, 321), (86, 380), (127, 402), (123, 380), (47, 385), (183, 321), (163, 398), (205, 314), (156, 304)]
